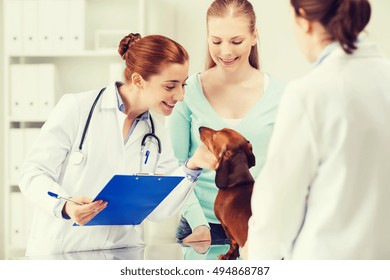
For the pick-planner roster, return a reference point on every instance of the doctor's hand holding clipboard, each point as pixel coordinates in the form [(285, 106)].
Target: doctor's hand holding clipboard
[(80, 215), (92, 136), (82, 210)]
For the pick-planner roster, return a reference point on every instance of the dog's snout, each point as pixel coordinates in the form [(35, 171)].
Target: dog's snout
[(201, 128)]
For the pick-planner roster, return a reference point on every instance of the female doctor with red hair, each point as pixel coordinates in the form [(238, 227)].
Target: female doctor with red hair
[(72, 161)]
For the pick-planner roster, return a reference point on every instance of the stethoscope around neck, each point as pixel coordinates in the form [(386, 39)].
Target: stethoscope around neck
[(76, 157)]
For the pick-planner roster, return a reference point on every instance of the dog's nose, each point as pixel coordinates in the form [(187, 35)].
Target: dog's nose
[(200, 128)]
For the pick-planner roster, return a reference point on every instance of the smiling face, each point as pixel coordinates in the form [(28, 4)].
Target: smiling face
[(230, 41), (162, 91)]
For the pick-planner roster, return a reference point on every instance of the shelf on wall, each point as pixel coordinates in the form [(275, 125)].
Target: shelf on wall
[(86, 53), (26, 120)]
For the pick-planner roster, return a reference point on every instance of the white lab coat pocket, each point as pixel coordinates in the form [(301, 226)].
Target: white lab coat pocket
[(149, 158)]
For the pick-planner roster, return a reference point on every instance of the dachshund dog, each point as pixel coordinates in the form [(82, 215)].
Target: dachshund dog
[(232, 205)]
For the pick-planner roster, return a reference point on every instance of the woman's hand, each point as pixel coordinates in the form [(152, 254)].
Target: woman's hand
[(82, 214), (199, 239), (202, 158), (200, 233)]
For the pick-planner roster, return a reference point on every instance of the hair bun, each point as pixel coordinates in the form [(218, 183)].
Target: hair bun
[(127, 42)]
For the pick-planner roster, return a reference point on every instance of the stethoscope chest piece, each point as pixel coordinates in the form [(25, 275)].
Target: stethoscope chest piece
[(76, 157)]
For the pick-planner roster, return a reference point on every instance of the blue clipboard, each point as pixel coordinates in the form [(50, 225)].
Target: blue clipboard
[(131, 198)]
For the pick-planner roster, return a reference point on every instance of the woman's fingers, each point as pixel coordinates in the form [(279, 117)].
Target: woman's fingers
[(87, 212)]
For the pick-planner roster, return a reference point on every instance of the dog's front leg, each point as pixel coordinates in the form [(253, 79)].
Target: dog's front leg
[(233, 252)]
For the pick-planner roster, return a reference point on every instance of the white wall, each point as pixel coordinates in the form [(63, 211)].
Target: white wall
[(191, 30), (279, 53), (378, 29)]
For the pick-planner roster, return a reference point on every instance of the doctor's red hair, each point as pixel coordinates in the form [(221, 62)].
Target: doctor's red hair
[(148, 55)]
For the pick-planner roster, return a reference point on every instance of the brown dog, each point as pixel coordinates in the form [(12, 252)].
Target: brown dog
[(232, 206)]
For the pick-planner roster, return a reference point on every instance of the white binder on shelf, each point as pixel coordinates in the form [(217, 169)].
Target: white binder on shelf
[(29, 211), (23, 90), (17, 234), (46, 89), (16, 154), (17, 103), (13, 26), (20, 220), (20, 142), (76, 22), (46, 20), (30, 93), (30, 26), (32, 90), (61, 26)]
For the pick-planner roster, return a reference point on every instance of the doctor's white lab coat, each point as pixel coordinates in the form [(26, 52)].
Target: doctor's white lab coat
[(47, 168), (324, 192)]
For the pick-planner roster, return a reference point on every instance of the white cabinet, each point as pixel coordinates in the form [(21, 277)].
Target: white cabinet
[(52, 47)]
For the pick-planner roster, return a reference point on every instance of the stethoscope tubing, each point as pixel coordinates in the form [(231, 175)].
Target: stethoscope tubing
[(86, 126), (151, 134)]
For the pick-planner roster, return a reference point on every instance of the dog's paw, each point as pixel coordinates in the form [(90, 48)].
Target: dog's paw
[(227, 257)]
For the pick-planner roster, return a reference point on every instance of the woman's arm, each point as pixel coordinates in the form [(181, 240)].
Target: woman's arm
[(179, 127)]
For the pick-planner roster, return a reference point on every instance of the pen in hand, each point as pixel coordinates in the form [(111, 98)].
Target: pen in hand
[(63, 198)]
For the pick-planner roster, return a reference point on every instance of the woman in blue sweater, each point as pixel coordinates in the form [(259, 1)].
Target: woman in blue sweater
[(232, 92)]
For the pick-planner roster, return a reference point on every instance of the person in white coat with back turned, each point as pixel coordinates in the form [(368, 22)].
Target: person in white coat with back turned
[(75, 158), (325, 188)]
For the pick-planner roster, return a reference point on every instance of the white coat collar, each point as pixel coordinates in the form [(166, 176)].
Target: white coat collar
[(109, 99), (325, 53), (364, 49)]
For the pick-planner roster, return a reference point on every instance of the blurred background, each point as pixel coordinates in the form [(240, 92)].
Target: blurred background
[(52, 47)]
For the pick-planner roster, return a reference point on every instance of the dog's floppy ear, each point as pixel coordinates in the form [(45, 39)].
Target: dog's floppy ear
[(250, 156), (233, 171), (239, 170), (221, 176)]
